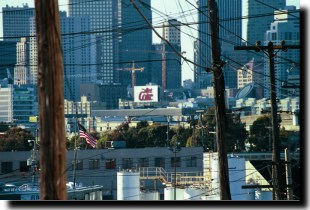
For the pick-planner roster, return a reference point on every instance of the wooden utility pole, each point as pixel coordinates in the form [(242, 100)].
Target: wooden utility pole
[(219, 98), (277, 178), (51, 101)]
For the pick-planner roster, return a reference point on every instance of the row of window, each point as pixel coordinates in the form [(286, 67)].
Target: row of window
[(7, 167), (127, 163)]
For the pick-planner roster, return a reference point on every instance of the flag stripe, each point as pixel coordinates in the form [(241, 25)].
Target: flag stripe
[(89, 139)]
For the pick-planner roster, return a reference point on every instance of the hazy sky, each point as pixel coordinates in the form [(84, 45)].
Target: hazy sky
[(168, 7)]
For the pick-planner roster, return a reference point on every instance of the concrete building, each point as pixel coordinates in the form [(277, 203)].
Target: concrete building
[(106, 93), (286, 26), (172, 31), (256, 27), (21, 70), (99, 166), (6, 103)]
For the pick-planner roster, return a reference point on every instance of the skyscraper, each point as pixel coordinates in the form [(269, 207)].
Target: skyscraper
[(16, 21), (78, 54), (21, 70), (135, 41), (103, 17), (7, 58), (286, 26), (230, 32), (259, 16)]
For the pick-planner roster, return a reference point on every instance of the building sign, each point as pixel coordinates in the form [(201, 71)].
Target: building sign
[(146, 93)]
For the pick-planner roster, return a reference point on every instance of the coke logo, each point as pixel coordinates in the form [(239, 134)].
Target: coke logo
[(146, 94)]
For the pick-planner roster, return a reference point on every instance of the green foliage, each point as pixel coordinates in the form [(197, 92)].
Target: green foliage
[(16, 139), (260, 134), (4, 127)]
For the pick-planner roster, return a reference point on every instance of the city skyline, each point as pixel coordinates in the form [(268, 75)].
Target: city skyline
[(243, 111), (167, 7)]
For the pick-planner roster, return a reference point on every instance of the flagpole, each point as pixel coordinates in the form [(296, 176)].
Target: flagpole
[(75, 148)]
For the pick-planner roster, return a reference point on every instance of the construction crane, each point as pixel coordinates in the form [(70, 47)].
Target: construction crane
[(133, 75)]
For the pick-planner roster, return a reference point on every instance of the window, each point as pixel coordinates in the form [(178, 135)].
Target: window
[(23, 167), (6, 167), (191, 161), (127, 163), (94, 164), (175, 162), (143, 162), (160, 162), (79, 165), (110, 164)]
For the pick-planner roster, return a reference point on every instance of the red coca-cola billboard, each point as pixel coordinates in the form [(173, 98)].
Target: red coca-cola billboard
[(146, 93)]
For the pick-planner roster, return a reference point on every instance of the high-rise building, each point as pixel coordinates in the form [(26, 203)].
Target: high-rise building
[(16, 22), (172, 65), (7, 58), (230, 32), (103, 16), (21, 70), (135, 42), (171, 31), (78, 54), (259, 19), (286, 26)]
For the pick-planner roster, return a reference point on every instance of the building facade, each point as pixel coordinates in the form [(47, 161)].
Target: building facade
[(7, 58), (103, 16), (78, 54), (230, 32), (16, 22), (100, 166), (6, 102), (286, 26), (135, 42), (21, 70), (25, 103)]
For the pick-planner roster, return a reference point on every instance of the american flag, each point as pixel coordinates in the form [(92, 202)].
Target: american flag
[(89, 139)]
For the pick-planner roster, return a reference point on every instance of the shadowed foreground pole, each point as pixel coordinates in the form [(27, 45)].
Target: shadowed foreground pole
[(51, 101), (219, 101)]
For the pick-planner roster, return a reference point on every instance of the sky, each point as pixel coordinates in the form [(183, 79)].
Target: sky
[(168, 7)]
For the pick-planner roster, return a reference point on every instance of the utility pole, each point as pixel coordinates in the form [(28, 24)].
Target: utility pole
[(51, 101), (277, 178), (219, 99)]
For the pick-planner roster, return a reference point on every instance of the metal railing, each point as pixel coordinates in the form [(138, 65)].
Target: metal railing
[(169, 178)]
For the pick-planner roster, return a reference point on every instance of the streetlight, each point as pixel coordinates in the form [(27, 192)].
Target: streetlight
[(201, 127), (176, 148), (215, 143), (32, 161)]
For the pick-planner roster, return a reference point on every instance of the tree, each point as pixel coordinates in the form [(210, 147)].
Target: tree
[(236, 133), (260, 134), (181, 135), (16, 139)]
